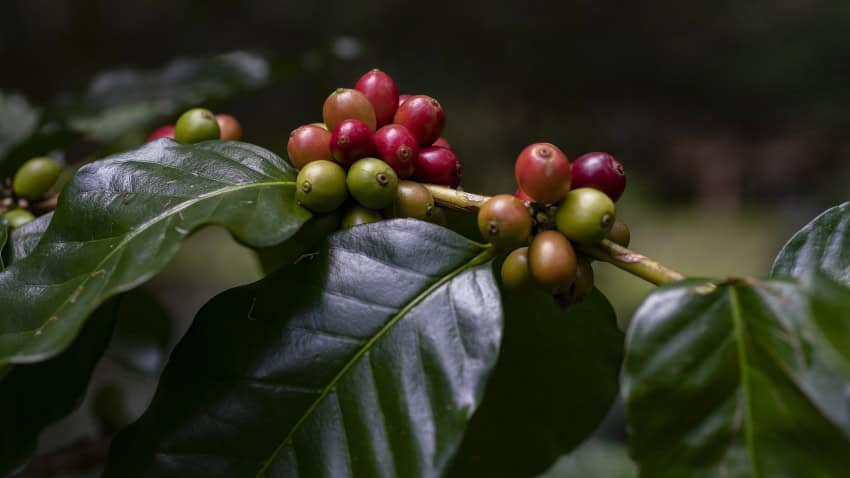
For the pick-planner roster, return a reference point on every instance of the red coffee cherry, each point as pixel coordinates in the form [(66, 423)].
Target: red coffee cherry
[(523, 196), (397, 147), (345, 104), (402, 99), (229, 126), (350, 141), (504, 221), (423, 116), (438, 165), (543, 171), (599, 171), (166, 131), (308, 143), (382, 93), (441, 142)]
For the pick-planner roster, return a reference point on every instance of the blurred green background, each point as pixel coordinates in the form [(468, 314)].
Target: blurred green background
[(730, 117)]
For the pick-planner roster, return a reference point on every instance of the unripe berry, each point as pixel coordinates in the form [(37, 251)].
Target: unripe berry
[(18, 217), (441, 142), (372, 182), (166, 131), (397, 147), (583, 284), (599, 171), (412, 200), (196, 125), (619, 233), (346, 103), (35, 178), (585, 215), (543, 172), (358, 215), (552, 261), (423, 116), (308, 143), (229, 127), (382, 93), (320, 186), (504, 221), (515, 269), (350, 141), (438, 165)]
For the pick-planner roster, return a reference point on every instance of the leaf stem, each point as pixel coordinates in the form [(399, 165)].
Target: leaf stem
[(630, 261)]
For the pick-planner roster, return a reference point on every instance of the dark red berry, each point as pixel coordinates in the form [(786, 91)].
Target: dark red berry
[(423, 116), (397, 147), (166, 131), (438, 165), (350, 141), (523, 196), (382, 93), (402, 99), (308, 143), (441, 142), (599, 171), (543, 172), (345, 104)]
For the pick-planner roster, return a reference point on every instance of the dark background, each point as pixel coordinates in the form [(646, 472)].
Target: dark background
[(731, 117)]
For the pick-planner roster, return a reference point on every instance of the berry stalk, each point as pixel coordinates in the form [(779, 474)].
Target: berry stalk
[(625, 259)]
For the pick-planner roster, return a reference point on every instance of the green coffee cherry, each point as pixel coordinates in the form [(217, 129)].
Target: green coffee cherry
[(18, 217), (35, 177), (515, 269), (412, 200), (320, 186), (585, 215), (583, 284), (196, 125), (372, 182), (358, 215), (619, 233)]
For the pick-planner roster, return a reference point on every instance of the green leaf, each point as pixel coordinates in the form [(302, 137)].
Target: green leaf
[(33, 396), (555, 381), (142, 334), (366, 359), (120, 221), (24, 239), (727, 381), (18, 121), (822, 244)]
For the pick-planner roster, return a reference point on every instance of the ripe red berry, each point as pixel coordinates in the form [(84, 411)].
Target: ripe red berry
[(599, 171), (523, 196), (402, 99), (344, 104), (350, 141), (438, 165), (166, 131), (423, 116), (229, 127), (543, 172), (441, 142), (308, 143), (380, 88), (397, 147)]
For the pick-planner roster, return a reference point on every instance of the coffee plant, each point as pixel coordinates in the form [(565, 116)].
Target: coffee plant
[(391, 336)]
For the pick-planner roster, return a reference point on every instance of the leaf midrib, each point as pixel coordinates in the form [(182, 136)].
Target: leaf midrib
[(743, 365), (478, 259)]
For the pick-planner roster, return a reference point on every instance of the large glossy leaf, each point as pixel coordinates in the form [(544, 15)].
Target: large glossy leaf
[(556, 379), (120, 220), (33, 396), (24, 239), (728, 381), (366, 359), (822, 244), (143, 332)]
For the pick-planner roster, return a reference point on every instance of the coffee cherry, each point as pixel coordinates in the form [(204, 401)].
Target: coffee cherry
[(412, 200), (350, 141), (321, 125), (543, 171), (504, 221), (308, 143), (619, 233), (583, 285), (382, 93), (515, 269), (552, 261), (438, 217), (320, 186), (358, 215), (229, 127), (345, 104), (438, 165), (35, 177), (599, 171), (397, 147), (18, 217), (441, 142), (196, 125), (401, 100), (585, 215), (372, 182), (423, 116), (521, 195), (166, 131)]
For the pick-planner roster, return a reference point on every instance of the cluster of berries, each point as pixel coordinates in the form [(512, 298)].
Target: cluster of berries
[(32, 183), (557, 205), (199, 124)]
